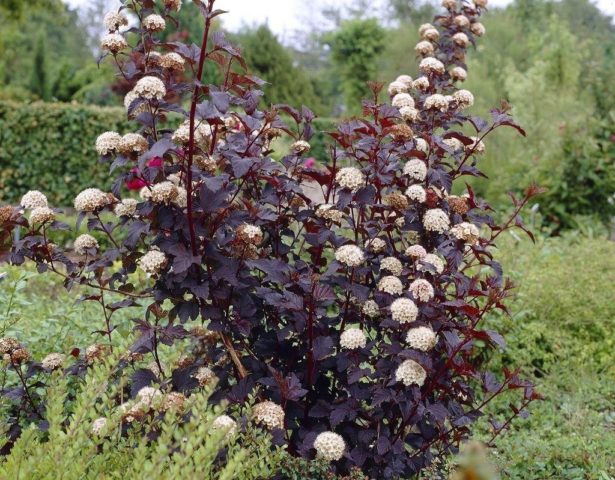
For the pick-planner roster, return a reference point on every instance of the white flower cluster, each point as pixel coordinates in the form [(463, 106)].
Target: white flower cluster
[(164, 192), (436, 220), (449, 4), (129, 99), (127, 207), (421, 145), (461, 21), (329, 446), (153, 262), (464, 98), (300, 147), (226, 424), (154, 23), (205, 376), (416, 193), (415, 252), (391, 264), (113, 42), (41, 215), (477, 146), (402, 100), (108, 143), (350, 255), (422, 290), (429, 32), (375, 245), (150, 88), (172, 61), (98, 426), (458, 74), (461, 39), (421, 338), (371, 309), (34, 199), (269, 414), (352, 339), (421, 83), (454, 143), (436, 102), (350, 178), (328, 212), (133, 143), (478, 29), (431, 65), (53, 361), (250, 234), (202, 133), (424, 48), (404, 310), (391, 285), (410, 373), (416, 169), (433, 260), (468, 232), (113, 21), (85, 242), (409, 114)]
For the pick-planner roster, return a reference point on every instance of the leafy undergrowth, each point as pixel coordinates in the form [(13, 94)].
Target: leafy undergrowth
[(562, 332)]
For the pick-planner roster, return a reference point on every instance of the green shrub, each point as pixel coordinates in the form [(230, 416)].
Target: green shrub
[(51, 147)]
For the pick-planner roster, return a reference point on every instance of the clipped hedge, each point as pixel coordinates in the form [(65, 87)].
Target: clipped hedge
[(50, 147)]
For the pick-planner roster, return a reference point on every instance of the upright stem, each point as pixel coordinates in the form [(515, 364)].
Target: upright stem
[(195, 99)]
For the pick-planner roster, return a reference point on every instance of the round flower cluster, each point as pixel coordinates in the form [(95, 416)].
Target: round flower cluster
[(150, 88), (402, 100), (464, 98), (430, 34), (458, 204), (415, 252), (396, 88), (108, 143), (424, 27), (396, 200), (33, 199), (350, 178), (113, 42), (98, 426), (328, 212), (269, 414), (421, 338), (205, 376), (154, 23), (416, 169), (85, 242), (131, 98), (409, 114), (114, 20), (6, 213), (436, 220), (153, 262), (449, 4), (202, 133), (8, 344), (477, 146), (421, 145), (133, 143), (391, 285), (410, 373), (164, 192), (436, 102), (350, 255), (421, 290), (174, 401), (431, 65), (148, 396), (478, 29), (391, 264), (91, 200), (224, 423), (404, 310), (468, 232), (41, 215), (371, 309), (172, 61), (173, 4), (127, 207), (353, 338), (329, 446), (206, 163), (416, 193), (405, 80), (421, 83), (249, 234), (424, 48), (461, 21), (95, 352), (433, 260), (459, 74), (301, 147), (461, 39), (454, 143)]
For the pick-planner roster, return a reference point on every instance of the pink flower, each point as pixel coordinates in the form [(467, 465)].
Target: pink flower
[(309, 162)]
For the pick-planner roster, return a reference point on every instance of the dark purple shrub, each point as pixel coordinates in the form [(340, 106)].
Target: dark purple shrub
[(352, 314)]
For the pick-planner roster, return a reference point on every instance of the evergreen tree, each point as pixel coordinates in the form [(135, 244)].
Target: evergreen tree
[(39, 79)]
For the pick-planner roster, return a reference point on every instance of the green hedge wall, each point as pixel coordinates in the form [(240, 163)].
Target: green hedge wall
[(50, 147)]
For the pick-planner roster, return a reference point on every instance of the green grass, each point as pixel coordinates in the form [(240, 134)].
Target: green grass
[(562, 334)]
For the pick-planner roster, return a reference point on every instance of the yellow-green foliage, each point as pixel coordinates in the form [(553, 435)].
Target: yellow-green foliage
[(69, 450), (50, 147)]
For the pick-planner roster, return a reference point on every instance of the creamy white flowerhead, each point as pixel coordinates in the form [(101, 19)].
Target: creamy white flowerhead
[(392, 265), (113, 21), (436, 102), (416, 193), (433, 260), (329, 212), (353, 338), (113, 42), (371, 309), (404, 310), (464, 98), (350, 255), (375, 245), (329, 446), (268, 414), (461, 39), (402, 100), (422, 290), (424, 48), (127, 207), (33, 199), (459, 74), (416, 252), (436, 220), (431, 65), (467, 232), (41, 215), (391, 285), (172, 61), (410, 373), (150, 88), (154, 23), (416, 169), (53, 361), (396, 88), (226, 424), (85, 242), (350, 178), (153, 262), (421, 338)]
